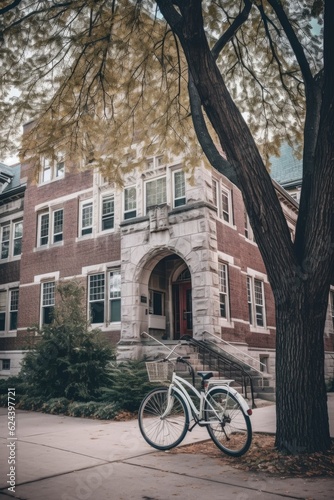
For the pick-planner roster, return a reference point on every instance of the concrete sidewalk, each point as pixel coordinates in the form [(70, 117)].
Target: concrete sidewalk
[(65, 458)]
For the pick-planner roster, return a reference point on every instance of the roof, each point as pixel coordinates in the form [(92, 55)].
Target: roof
[(10, 179)]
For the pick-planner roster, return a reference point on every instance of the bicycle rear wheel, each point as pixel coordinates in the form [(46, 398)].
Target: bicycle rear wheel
[(231, 429), (167, 432)]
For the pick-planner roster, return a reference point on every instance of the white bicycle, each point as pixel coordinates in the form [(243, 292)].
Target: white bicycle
[(167, 413)]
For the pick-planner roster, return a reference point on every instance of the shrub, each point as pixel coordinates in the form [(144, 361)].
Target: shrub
[(70, 360), (56, 406), (128, 384), (93, 409)]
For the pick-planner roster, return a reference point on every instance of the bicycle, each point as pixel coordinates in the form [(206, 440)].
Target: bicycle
[(166, 413)]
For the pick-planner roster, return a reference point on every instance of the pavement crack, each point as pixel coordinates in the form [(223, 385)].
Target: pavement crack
[(227, 483)]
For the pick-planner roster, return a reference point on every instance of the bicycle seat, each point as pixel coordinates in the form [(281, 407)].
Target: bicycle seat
[(205, 375)]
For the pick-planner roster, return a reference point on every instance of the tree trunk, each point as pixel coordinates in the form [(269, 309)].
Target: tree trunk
[(301, 401), (300, 272)]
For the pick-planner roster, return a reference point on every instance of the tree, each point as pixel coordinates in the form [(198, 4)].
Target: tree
[(120, 64), (68, 360)]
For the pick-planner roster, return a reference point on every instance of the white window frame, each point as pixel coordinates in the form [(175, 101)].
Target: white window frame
[(155, 162), (248, 228), (224, 290), (3, 362), (108, 295), (214, 192), (13, 307), (47, 299), (151, 181), (226, 214), (58, 236), (180, 200), (52, 170), (7, 310), (114, 295), (89, 228), (110, 216), (218, 189), (5, 241), (9, 243), (256, 307), (3, 309), (51, 235), (130, 209), (99, 298), (17, 238)]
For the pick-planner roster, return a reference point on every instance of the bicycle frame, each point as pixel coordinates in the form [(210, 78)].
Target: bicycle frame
[(177, 386)]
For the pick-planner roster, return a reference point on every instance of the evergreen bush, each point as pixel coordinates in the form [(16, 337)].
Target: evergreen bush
[(69, 360), (128, 384)]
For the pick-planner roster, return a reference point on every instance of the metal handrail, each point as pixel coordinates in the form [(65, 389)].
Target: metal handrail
[(219, 357), (239, 350)]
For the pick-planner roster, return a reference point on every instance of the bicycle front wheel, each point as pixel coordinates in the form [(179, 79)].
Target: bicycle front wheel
[(231, 429), (161, 431)]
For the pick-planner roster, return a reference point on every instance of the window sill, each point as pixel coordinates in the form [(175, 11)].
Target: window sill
[(10, 259), (49, 246), (8, 334), (226, 323), (258, 329)]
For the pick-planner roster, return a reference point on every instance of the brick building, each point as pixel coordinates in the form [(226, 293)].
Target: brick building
[(165, 254)]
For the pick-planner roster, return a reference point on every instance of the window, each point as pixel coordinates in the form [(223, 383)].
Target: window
[(114, 296), (155, 162), (44, 229), (11, 240), (5, 237), (17, 239), (108, 212), (13, 310), (248, 230), (96, 298), (5, 364), (3, 307), (157, 303), (255, 298), (86, 219), (223, 291), (53, 233), (105, 307), (156, 192), (222, 199), (130, 203), (9, 302), (225, 206), (214, 188), (58, 219), (52, 169), (48, 302), (179, 189)]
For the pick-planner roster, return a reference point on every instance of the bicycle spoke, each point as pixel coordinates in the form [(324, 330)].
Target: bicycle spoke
[(230, 428), (159, 430)]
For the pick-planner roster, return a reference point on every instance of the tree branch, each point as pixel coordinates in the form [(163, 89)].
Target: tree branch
[(294, 42), (10, 7), (231, 31), (204, 138)]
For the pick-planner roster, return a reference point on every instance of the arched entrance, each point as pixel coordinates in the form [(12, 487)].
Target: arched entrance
[(170, 299)]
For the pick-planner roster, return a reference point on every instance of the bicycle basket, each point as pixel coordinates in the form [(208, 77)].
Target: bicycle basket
[(159, 371)]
